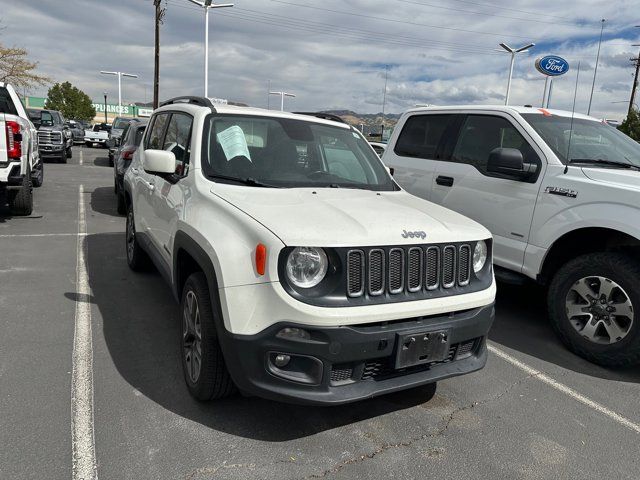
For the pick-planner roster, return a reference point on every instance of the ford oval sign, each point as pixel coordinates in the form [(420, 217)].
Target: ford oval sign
[(552, 65)]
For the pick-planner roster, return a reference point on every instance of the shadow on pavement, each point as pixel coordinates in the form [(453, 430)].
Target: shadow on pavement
[(102, 162), (141, 331), (522, 324), (103, 200)]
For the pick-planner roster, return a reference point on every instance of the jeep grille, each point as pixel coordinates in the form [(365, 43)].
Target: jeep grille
[(377, 271)]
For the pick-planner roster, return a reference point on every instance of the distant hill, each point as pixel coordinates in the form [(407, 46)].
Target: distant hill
[(370, 121)]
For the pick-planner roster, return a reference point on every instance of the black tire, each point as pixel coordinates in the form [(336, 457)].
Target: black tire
[(622, 269), (213, 380), (38, 179), (110, 160), (70, 152), (122, 204), (63, 156), (21, 200), (88, 144), (137, 258)]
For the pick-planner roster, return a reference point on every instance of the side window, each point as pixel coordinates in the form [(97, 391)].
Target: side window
[(421, 135), (154, 139), (480, 134), (178, 139)]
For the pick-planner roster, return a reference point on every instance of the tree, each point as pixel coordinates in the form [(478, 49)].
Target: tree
[(631, 125), (17, 70), (72, 102)]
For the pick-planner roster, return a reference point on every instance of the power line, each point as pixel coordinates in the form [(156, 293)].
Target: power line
[(485, 13), (490, 5), (362, 15)]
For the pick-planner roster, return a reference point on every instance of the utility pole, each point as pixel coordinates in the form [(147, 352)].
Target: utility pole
[(635, 83), (384, 100), (159, 14), (595, 71), (119, 75), (105, 107)]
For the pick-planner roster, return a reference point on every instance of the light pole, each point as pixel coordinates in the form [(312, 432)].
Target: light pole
[(282, 95), (595, 71), (105, 107), (513, 52), (119, 75), (207, 4)]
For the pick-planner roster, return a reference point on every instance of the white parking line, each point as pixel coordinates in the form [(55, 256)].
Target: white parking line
[(77, 234), (82, 435), (564, 389), (81, 156)]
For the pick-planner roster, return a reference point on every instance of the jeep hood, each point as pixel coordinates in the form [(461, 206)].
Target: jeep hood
[(616, 177), (340, 217)]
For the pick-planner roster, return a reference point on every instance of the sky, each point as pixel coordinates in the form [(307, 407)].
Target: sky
[(335, 54)]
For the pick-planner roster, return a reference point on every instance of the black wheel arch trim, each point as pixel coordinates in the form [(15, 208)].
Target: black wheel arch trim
[(185, 242)]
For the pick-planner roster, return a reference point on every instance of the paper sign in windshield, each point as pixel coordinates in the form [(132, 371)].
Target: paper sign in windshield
[(233, 143)]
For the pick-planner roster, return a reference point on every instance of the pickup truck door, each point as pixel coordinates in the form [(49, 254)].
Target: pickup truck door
[(414, 154), (504, 206), (167, 203)]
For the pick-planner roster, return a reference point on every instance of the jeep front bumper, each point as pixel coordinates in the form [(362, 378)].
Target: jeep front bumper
[(341, 364)]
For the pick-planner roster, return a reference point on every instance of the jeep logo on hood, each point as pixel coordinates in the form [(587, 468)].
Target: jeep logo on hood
[(417, 234)]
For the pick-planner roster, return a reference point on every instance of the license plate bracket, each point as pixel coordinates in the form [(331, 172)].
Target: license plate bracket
[(423, 347)]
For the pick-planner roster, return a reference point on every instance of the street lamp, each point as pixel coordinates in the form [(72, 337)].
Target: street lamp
[(207, 4), (119, 75), (105, 107), (282, 95), (513, 52)]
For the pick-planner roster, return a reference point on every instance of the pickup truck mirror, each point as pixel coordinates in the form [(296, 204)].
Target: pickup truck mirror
[(159, 161), (509, 162)]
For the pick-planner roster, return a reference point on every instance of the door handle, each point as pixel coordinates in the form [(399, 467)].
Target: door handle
[(444, 181)]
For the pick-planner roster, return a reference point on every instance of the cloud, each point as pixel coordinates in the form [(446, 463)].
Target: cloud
[(332, 54)]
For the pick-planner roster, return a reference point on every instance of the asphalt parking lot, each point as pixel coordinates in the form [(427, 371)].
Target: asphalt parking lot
[(536, 411)]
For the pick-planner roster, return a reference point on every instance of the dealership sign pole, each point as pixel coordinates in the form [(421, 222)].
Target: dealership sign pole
[(551, 66)]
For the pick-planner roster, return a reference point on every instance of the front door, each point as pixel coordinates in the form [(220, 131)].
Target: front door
[(504, 206)]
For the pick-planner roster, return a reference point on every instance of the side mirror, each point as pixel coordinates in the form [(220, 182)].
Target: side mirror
[(509, 162), (159, 161)]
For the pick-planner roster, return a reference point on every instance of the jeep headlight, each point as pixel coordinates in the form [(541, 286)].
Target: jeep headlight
[(306, 266), (479, 256)]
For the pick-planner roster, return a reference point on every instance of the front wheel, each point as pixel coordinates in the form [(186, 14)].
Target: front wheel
[(63, 156), (70, 151), (88, 144), (592, 305), (203, 365)]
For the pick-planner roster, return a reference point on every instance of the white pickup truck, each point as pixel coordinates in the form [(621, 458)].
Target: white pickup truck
[(561, 195), (99, 134), (20, 164)]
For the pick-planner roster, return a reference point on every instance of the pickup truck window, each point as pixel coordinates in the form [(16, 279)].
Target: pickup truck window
[(480, 134), (421, 135), (6, 103), (589, 140), (283, 152)]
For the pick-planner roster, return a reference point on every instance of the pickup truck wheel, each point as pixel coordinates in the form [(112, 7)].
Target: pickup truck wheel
[(137, 258), (203, 365), (69, 152), (592, 305), (88, 144), (21, 200), (38, 178), (63, 156)]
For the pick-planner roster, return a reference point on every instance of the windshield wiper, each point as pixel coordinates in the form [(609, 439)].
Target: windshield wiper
[(252, 182), (602, 161)]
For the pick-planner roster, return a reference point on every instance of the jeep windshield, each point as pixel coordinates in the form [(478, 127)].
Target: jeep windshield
[(290, 153), (594, 143)]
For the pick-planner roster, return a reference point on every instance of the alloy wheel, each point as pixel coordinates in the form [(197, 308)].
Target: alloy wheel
[(599, 309), (192, 336), (131, 235)]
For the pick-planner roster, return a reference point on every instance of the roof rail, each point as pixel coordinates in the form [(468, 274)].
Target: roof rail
[(200, 101), (325, 116)]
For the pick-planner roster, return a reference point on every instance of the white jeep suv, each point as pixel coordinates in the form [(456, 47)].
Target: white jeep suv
[(560, 192), (304, 273)]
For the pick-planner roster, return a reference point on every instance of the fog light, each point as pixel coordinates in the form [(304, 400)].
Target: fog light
[(281, 360)]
